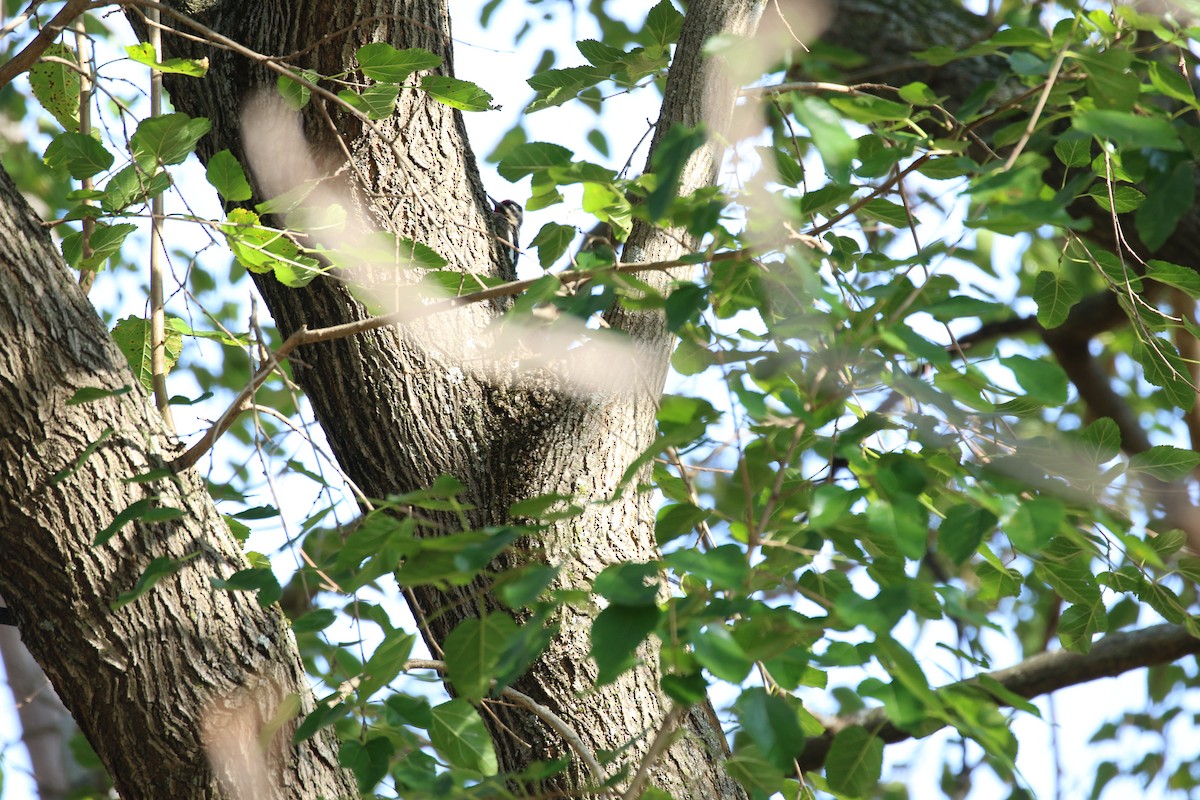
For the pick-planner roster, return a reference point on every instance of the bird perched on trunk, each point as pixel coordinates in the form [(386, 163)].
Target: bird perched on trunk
[(508, 215)]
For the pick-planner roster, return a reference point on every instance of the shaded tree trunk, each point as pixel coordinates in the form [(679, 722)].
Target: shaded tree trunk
[(183, 667)]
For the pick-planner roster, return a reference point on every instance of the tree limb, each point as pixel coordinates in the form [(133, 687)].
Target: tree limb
[(1033, 677)]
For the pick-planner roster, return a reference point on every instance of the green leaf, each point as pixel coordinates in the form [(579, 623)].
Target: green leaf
[(532, 158), (131, 185), (56, 86), (457, 93), (551, 241), (1042, 380), (472, 651), (1055, 298), (1182, 278), (725, 567), (260, 580), (1074, 150), (772, 723), (294, 93), (327, 712), (316, 620), (79, 154), (1163, 367), (459, 736), (1035, 523), (261, 249), (144, 53), (663, 24), (369, 761), (1079, 623), (719, 653), (377, 102), (380, 61), (668, 162), (227, 177), (1101, 440), (836, 146), (1165, 462), (1127, 129), (631, 583), (1168, 198), (132, 336), (168, 139), (1168, 81), (962, 531), (616, 634), (855, 762)]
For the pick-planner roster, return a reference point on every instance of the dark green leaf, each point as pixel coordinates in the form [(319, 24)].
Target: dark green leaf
[(459, 736)]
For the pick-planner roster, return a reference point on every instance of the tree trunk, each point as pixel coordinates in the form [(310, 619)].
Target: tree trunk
[(182, 668), (505, 439)]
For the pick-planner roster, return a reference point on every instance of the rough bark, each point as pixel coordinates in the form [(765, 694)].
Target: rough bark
[(505, 439), (182, 667)]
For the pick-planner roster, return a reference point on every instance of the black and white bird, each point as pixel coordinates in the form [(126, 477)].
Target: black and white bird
[(508, 227)]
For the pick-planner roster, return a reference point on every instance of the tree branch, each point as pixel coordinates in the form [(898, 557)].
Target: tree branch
[(1036, 676)]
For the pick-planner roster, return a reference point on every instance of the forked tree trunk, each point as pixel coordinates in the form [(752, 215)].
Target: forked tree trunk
[(417, 415)]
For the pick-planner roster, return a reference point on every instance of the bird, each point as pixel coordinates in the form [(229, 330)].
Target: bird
[(509, 215)]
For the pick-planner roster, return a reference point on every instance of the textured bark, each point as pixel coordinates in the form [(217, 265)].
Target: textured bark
[(418, 415), (184, 666)]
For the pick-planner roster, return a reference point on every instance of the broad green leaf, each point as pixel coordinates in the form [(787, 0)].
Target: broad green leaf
[(144, 53), (377, 102), (855, 762), (1055, 298), (168, 139), (836, 145), (56, 86), (533, 158), (1167, 199), (369, 761), (1101, 440), (1035, 523), (962, 530), (1163, 367), (719, 653), (79, 154), (132, 335), (1126, 129), (668, 162), (457, 93), (472, 651), (294, 93), (663, 24), (630, 583), (1165, 462), (1182, 278), (772, 723), (551, 241), (1079, 623), (1074, 151), (1042, 380), (131, 185), (460, 737), (380, 61), (616, 634)]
